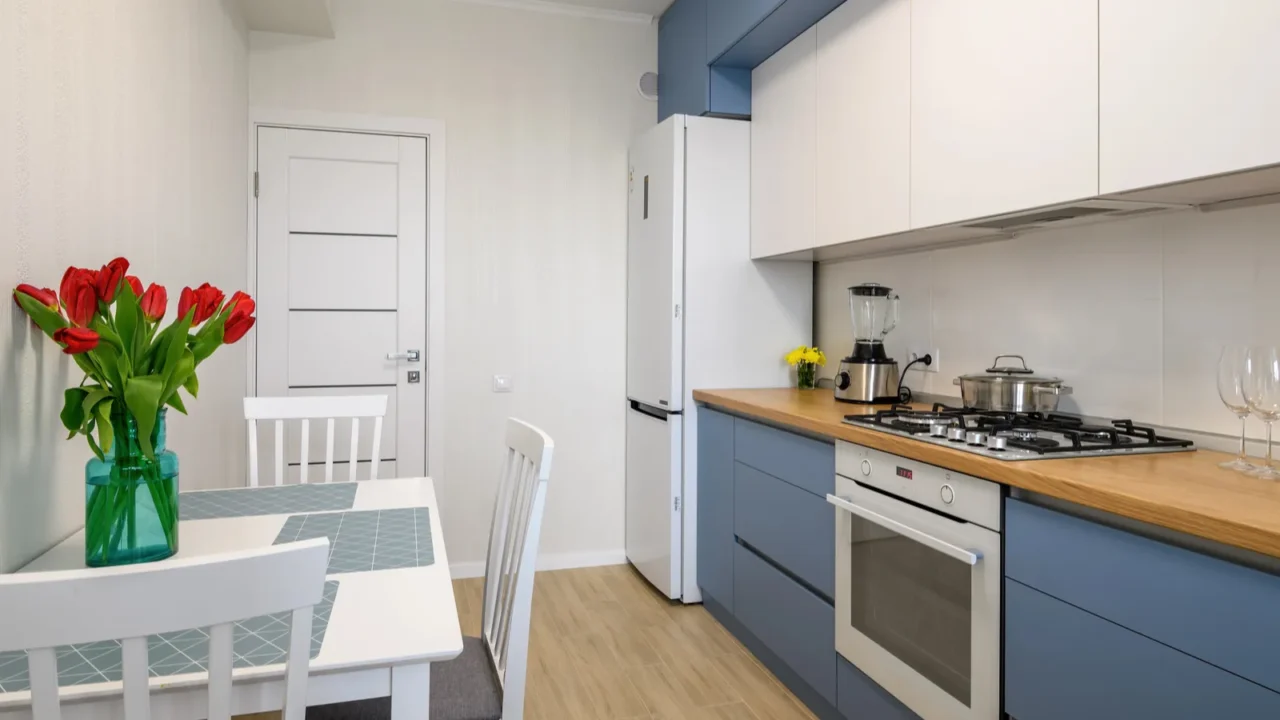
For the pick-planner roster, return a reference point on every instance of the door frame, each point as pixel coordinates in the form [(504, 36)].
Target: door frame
[(434, 133)]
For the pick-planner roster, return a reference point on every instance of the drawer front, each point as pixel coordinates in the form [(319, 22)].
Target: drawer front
[(794, 528), (804, 462), (861, 698), (791, 621), (1062, 663), (1222, 613), (715, 505)]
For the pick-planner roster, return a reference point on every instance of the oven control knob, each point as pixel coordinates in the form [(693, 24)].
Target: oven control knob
[(842, 381), (938, 430), (997, 443), (948, 494), (975, 438), (866, 468), (955, 434)]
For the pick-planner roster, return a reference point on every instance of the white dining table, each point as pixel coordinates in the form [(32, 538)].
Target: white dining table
[(385, 628)]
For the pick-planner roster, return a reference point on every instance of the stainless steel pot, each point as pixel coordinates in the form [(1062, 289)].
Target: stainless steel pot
[(1011, 389)]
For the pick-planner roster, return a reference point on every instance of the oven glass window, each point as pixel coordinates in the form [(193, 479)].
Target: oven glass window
[(914, 602)]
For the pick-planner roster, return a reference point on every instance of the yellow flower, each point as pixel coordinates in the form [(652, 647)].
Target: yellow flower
[(815, 356), (795, 356)]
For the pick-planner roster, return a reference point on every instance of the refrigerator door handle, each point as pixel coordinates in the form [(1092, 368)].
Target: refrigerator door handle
[(653, 412)]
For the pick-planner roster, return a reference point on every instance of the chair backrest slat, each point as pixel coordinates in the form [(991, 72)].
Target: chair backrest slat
[(329, 408), (305, 454), (133, 603), (355, 437), (511, 559), (253, 453), (134, 667), (221, 659), (279, 452)]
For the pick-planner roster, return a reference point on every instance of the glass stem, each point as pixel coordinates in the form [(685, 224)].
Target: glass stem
[(1244, 428), (1269, 465)]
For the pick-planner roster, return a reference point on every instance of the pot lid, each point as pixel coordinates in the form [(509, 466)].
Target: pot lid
[(870, 289), (1009, 372)]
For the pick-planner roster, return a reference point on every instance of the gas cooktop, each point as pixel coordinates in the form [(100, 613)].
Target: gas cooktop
[(1019, 436)]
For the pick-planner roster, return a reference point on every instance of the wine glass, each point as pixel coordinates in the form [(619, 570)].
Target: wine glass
[(1232, 365), (1262, 392)]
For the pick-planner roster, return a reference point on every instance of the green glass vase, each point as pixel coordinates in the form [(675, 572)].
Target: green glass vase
[(131, 500), (806, 375)]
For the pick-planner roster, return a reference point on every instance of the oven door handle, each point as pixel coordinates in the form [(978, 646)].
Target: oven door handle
[(968, 557)]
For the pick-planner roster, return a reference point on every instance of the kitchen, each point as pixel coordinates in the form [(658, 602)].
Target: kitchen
[(1106, 216)]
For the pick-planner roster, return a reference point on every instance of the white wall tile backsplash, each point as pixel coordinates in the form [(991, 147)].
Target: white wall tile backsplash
[(1131, 314)]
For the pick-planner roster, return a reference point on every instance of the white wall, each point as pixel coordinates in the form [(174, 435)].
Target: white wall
[(1131, 314), (122, 132), (539, 110)]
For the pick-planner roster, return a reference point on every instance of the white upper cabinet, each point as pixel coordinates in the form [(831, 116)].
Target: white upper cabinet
[(1188, 88), (1004, 105), (863, 121), (783, 95)]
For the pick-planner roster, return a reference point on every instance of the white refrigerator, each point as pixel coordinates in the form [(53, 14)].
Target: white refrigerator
[(700, 314)]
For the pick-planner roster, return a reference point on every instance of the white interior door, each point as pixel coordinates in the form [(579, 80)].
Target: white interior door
[(655, 266), (653, 484), (342, 284)]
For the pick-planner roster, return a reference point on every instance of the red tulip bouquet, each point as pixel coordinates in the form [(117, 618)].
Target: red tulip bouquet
[(133, 370)]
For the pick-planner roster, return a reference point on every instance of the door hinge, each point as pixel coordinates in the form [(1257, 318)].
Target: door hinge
[(255, 183), (677, 311), (677, 504)]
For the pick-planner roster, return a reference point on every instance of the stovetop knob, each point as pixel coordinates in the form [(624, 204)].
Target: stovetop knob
[(955, 434), (938, 430), (975, 438), (997, 443)]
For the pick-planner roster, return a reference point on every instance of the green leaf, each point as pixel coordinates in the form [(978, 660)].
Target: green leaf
[(192, 385), (47, 320), (142, 396), (73, 408), (93, 445), (175, 402), (175, 346), (129, 321), (106, 433), (178, 374), (207, 343), (96, 395)]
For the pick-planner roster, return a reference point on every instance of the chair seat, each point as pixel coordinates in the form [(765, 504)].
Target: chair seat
[(464, 688)]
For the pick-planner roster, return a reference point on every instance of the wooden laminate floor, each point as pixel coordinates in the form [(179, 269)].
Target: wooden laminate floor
[(605, 645)]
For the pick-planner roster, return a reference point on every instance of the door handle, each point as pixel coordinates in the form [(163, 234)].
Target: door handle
[(410, 355), (967, 557)]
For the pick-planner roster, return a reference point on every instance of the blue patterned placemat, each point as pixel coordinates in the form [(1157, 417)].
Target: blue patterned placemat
[(364, 540), (272, 500), (258, 641)]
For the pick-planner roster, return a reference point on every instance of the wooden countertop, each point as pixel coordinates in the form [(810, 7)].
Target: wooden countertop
[(1183, 491)]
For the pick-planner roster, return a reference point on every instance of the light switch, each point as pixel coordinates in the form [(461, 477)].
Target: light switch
[(503, 383)]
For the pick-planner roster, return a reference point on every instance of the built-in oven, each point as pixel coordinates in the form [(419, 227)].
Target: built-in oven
[(918, 582)]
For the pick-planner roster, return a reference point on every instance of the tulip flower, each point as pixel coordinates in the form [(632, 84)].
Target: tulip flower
[(44, 296), (76, 340), (109, 279), (134, 284), (237, 325), (154, 302), (79, 295), (205, 299), (237, 297)]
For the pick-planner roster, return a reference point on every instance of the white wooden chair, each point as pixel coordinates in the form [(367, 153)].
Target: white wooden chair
[(43, 611), (487, 681), (306, 409)]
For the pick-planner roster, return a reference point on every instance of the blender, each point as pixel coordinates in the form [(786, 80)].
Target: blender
[(869, 375)]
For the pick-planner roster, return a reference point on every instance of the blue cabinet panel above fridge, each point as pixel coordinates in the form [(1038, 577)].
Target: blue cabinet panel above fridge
[(707, 48)]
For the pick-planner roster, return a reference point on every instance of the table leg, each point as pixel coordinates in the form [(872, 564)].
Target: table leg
[(410, 692)]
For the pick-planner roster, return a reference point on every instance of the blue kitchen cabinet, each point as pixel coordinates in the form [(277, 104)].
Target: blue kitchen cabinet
[(766, 545), (1102, 622), (728, 21), (715, 505), (687, 85)]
